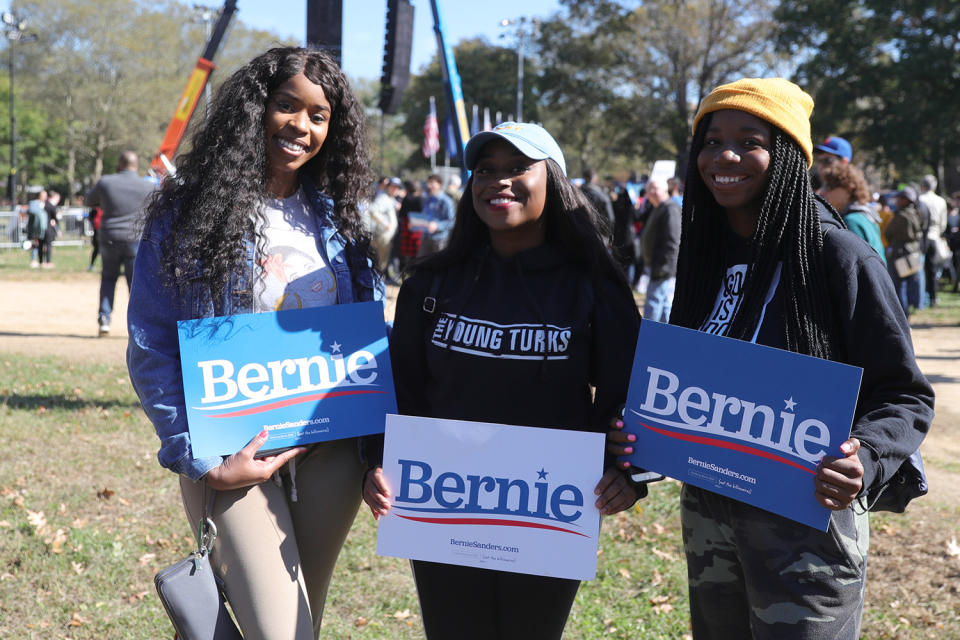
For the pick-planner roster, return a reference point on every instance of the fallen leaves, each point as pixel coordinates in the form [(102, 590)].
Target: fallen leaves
[(661, 604), (953, 549), (105, 494)]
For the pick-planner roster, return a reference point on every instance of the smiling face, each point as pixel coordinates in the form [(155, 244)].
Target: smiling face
[(509, 195), (295, 126), (734, 164)]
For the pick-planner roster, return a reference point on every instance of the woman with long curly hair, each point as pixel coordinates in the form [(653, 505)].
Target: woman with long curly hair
[(261, 215), (525, 258), (763, 259)]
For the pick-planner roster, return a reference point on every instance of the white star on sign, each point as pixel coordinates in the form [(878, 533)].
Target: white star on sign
[(335, 347), (790, 404)]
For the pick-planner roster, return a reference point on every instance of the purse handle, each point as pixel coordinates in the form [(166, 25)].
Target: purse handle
[(207, 529)]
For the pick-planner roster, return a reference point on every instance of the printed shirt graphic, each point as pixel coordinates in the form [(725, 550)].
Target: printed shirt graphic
[(510, 341), (293, 273), (729, 298)]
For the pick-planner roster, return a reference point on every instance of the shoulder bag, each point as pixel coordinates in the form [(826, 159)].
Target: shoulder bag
[(192, 595)]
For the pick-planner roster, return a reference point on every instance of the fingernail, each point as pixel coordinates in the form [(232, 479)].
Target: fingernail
[(631, 438), (619, 423), (263, 434), (628, 450)]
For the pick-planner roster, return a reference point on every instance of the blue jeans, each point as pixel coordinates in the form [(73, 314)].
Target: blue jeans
[(907, 288), (659, 300), (114, 254)]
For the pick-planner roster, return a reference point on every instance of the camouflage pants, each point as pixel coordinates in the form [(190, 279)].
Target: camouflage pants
[(753, 574)]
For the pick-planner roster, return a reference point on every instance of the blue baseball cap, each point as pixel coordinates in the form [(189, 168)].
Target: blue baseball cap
[(530, 139), (837, 146)]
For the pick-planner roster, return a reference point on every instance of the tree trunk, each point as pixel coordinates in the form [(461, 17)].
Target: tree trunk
[(71, 175), (98, 157)]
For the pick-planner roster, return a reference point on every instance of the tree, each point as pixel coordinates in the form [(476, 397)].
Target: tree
[(39, 154), (646, 66), (488, 78), (113, 70), (885, 73)]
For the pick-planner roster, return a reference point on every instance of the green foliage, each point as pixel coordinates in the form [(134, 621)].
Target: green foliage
[(110, 73), (488, 76), (885, 74), (39, 152)]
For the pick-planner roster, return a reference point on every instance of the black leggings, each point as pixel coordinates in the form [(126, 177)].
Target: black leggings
[(465, 603)]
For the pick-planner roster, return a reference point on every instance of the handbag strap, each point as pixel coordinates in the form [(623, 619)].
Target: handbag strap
[(207, 530)]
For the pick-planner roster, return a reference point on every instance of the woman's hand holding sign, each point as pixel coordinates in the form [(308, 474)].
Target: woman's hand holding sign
[(244, 469), (620, 443), (839, 480), (376, 493), (615, 493)]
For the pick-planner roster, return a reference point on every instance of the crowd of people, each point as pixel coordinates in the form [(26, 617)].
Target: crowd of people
[(767, 238)]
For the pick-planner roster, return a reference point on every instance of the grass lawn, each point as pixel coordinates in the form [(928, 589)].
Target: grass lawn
[(87, 517)]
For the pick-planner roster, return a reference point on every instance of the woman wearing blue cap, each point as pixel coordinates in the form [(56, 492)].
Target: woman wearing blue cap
[(524, 251)]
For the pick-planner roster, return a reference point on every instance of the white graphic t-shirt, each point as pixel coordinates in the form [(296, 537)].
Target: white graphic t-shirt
[(293, 273)]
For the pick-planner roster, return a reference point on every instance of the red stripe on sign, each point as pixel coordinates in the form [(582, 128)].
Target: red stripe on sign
[(723, 444), (290, 401), (493, 521)]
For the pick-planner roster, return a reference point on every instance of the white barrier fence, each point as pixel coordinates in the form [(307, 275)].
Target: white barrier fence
[(74, 226)]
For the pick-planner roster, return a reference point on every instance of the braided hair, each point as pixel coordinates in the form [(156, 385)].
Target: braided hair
[(787, 230)]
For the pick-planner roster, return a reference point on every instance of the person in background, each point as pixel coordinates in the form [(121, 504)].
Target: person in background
[(407, 244), (95, 215), (37, 224), (935, 251), (832, 150), (263, 215), (439, 211), (123, 197), (904, 234), (381, 220), (598, 197), (53, 228), (453, 189), (758, 241), (675, 187), (845, 188), (625, 245), (661, 242), (525, 252)]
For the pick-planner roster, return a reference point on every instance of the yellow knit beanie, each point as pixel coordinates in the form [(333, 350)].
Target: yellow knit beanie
[(778, 101)]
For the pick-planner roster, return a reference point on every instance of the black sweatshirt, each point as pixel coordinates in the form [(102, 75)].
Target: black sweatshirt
[(514, 341), (895, 406)]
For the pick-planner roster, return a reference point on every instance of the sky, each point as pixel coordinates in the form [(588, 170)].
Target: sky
[(364, 25)]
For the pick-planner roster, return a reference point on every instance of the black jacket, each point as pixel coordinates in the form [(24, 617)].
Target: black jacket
[(514, 341), (661, 240), (895, 406)]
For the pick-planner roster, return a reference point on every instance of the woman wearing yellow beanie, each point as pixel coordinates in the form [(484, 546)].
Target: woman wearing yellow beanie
[(763, 259)]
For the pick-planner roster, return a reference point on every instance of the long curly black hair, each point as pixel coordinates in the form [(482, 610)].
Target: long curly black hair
[(220, 185), (788, 230)]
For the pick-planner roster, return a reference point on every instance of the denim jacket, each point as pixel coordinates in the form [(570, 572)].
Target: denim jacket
[(153, 355)]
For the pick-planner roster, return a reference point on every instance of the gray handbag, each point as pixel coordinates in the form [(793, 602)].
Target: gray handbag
[(191, 593)]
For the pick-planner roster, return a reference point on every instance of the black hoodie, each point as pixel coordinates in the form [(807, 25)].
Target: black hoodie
[(895, 406), (514, 341)]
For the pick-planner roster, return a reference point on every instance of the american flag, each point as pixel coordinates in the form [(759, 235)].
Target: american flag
[(431, 132)]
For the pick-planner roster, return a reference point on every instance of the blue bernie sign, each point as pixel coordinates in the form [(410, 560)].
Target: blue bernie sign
[(304, 375), (743, 420)]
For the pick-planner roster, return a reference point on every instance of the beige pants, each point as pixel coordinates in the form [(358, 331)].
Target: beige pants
[(276, 557)]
